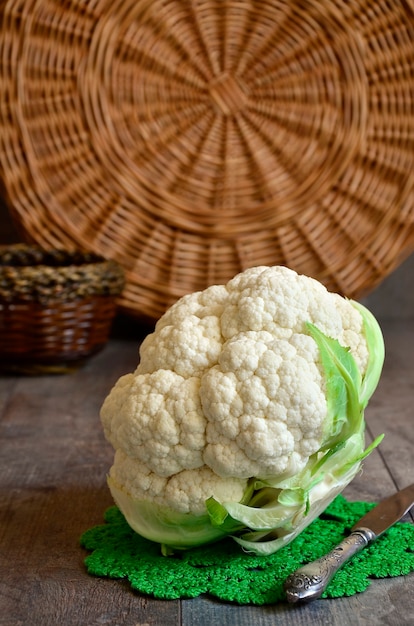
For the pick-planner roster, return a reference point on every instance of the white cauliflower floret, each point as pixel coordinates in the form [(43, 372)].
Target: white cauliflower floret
[(196, 316), (157, 419), (232, 388), (185, 492), (267, 416), (278, 300)]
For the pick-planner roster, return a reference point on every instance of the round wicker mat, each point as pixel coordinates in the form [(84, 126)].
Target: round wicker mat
[(188, 140)]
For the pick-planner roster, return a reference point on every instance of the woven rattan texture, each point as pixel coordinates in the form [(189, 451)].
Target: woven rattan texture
[(29, 273), (188, 140), (56, 307), (35, 338)]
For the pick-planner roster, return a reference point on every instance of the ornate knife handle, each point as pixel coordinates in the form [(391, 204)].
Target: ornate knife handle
[(310, 581)]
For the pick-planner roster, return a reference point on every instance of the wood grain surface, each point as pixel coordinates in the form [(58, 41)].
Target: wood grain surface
[(53, 465)]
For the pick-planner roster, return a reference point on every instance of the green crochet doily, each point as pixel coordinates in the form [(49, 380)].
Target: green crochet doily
[(223, 570)]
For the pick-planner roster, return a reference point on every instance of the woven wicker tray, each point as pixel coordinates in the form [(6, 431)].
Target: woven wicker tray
[(189, 140)]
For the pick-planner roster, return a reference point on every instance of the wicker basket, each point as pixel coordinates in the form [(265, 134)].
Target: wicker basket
[(190, 140), (56, 307)]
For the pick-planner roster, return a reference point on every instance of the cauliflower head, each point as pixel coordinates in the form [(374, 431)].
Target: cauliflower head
[(244, 415)]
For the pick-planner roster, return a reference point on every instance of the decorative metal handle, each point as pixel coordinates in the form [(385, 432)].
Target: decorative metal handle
[(310, 581)]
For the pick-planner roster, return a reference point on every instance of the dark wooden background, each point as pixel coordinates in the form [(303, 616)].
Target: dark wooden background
[(8, 231)]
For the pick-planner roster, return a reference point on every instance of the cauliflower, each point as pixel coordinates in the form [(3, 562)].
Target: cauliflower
[(244, 415)]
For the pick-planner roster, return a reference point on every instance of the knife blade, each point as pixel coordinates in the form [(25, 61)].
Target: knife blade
[(310, 581)]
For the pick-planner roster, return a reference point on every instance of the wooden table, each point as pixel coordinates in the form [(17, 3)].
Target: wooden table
[(53, 464)]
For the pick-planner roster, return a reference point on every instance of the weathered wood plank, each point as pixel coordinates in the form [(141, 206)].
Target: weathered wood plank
[(392, 408), (53, 463), (380, 604), (6, 390), (53, 469)]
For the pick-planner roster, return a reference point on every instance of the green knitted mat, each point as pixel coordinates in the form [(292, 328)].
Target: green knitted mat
[(223, 570)]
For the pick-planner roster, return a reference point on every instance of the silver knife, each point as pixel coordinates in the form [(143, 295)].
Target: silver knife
[(310, 581)]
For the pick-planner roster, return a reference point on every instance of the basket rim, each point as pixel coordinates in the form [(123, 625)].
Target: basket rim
[(32, 273)]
